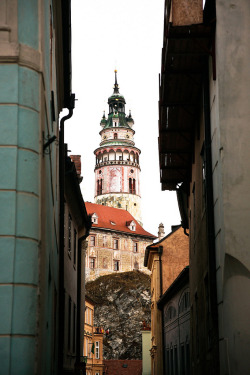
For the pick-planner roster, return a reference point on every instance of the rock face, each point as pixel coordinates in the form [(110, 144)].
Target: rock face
[(122, 304)]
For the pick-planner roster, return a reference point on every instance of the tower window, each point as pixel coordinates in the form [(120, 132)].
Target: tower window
[(99, 187), (132, 186), (115, 135)]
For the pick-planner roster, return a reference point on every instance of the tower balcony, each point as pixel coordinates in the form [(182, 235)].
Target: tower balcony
[(117, 162), (118, 142)]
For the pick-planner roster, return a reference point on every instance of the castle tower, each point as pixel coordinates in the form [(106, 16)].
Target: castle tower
[(117, 169)]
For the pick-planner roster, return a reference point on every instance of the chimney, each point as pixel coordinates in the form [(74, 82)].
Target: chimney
[(161, 232), (77, 161)]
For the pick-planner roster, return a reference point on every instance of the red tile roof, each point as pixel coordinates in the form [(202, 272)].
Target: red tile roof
[(120, 218), (123, 367)]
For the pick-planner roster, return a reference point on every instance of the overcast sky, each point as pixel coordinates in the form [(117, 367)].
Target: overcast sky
[(126, 35)]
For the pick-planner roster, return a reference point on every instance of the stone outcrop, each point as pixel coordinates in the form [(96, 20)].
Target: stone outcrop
[(122, 304)]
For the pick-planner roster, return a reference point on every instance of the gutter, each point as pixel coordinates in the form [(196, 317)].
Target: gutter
[(61, 301)]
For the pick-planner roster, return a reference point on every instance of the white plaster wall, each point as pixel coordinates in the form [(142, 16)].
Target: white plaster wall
[(230, 116)]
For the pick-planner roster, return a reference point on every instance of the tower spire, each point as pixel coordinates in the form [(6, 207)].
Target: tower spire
[(116, 87)]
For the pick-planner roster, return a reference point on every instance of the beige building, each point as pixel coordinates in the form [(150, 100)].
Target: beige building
[(165, 259), (117, 242), (204, 156), (146, 346), (93, 341)]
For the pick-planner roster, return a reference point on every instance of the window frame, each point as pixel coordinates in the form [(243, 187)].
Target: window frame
[(97, 349), (116, 243), (135, 246), (116, 265), (92, 240), (92, 262)]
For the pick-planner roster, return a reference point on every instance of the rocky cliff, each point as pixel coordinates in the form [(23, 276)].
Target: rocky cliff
[(122, 304)]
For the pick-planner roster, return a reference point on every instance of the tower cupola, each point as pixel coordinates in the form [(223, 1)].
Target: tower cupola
[(117, 169)]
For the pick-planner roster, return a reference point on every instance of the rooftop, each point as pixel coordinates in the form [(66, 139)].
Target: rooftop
[(115, 219)]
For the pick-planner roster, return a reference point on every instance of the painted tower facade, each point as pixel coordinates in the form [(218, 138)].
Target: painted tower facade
[(117, 169)]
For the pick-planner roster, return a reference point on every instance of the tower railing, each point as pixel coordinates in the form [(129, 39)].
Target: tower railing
[(119, 162)]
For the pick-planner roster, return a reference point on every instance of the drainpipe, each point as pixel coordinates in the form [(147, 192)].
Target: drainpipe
[(61, 302), (210, 201)]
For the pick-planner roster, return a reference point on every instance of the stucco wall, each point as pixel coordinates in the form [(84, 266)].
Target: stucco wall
[(28, 225), (231, 154)]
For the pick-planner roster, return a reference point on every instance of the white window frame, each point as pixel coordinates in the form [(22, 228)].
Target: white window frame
[(97, 350)]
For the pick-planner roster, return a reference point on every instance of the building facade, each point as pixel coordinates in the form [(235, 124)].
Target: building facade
[(117, 242), (93, 341), (35, 70), (165, 259), (175, 307), (117, 169), (76, 229), (204, 157)]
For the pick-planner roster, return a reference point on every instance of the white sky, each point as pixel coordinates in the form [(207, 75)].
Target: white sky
[(126, 35)]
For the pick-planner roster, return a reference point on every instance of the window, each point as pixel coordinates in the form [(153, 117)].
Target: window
[(135, 247), (74, 328), (92, 240), (69, 323), (104, 241), (69, 234), (88, 316), (75, 246), (170, 313), (132, 186), (136, 265), (99, 187), (184, 303), (97, 350), (94, 218), (115, 135), (182, 360), (116, 265), (92, 263), (116, 243)]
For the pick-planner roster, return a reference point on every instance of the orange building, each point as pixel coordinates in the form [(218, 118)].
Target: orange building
[(93, 341), (165, 259)]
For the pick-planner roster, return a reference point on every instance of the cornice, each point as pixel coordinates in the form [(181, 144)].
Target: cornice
[(21, 54)]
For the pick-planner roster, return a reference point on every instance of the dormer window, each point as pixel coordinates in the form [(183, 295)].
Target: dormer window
[(94, 218), (131, 225)]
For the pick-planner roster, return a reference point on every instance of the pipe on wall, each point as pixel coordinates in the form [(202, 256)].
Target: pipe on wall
[(61, 298)]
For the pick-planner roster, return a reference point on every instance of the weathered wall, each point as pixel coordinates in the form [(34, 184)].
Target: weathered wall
[(230, 115), (105, 254), (28, 224), (175, 256)]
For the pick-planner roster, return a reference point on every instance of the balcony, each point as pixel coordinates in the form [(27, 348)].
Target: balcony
[(117, 162)]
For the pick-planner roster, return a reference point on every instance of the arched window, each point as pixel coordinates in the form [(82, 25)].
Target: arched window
[(184, 302), (115, 135), (170, 313)]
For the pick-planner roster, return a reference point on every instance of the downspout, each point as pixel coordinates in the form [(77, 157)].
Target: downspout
[(80, 288), (61, 302), (210, 203)]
